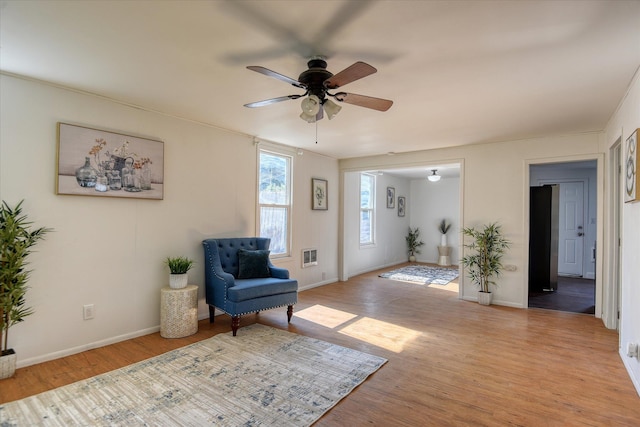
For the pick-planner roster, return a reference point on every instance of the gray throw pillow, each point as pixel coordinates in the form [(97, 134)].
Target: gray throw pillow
[(253, 264)]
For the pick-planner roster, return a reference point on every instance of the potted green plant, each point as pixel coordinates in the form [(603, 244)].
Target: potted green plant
[(413, 243), (16, 240), (178, 267), (484, 261), (444, 228)]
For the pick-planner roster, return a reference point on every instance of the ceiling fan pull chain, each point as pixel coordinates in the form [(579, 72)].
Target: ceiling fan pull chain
[(316, 131)]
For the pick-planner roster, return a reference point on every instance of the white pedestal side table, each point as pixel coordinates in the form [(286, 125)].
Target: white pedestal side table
[(178, 311), (444, 258)]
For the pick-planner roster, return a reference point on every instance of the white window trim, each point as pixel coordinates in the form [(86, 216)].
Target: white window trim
[(283, 152)]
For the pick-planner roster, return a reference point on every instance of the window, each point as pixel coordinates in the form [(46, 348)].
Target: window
[(274, 194), (367, 208)]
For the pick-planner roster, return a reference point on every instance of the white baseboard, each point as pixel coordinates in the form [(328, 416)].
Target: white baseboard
[(81, 348), (315, 285), (627, 361), (495, 302)]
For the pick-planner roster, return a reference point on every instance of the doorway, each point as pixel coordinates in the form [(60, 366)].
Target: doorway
[(562, 264)]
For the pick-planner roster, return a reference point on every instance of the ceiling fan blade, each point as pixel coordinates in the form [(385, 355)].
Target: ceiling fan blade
[(268, 72), (271, 101), (350, 74), (364, 101)]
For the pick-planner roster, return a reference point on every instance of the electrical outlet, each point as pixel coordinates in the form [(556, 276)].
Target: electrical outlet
[(88, 311), (632, 350)]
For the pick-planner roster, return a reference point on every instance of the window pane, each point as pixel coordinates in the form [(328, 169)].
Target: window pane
[(365, 227), (366, 184), (273, 179), (273, 224), (367, 204)]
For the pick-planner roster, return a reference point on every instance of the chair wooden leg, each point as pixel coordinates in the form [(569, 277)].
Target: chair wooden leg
[(289, 313), (212, 313), (235, 324)]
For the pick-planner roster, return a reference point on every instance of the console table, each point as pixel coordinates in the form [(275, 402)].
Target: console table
[(178, 311)]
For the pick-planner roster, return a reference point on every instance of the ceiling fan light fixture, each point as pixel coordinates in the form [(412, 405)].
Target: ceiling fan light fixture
[(311, 105), (434, 177), (309, 118), (331, 108)]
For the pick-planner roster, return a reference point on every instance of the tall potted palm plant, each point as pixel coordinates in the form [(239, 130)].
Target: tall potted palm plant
[(484, 260), (413, 242), (16, 240)]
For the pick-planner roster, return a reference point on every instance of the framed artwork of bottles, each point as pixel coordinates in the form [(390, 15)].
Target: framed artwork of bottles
[(94, 162)]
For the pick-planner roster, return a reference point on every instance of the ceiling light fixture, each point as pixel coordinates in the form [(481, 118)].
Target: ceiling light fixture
[(310, 107), (434, 177), (331, 108)]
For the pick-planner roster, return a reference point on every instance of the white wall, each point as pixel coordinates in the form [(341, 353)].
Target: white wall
[(623, 124), (426, 205), (110, 251), (390, 229), (494, 187), (431, 202)]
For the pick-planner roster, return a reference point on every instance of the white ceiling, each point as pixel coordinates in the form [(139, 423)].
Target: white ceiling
[(459, 72)]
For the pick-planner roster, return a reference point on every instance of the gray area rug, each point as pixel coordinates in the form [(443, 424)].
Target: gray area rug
[(264, 376), (422, 274)]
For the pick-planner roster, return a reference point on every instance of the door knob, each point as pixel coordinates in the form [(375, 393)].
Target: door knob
[(580, 234)]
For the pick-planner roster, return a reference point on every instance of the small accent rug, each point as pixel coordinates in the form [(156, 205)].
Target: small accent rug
[(263, 376), (422, 274)]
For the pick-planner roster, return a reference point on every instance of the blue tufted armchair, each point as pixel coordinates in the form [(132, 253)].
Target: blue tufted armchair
[(240, 278)]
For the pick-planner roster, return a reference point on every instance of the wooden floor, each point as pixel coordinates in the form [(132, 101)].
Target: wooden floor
[(451, 362)]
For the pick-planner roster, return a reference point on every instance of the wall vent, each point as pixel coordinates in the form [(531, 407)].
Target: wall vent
[(309, 257)]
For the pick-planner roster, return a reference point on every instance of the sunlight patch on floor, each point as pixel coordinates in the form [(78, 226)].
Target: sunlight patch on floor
[(325, 316), (451, 287), (382, 334)]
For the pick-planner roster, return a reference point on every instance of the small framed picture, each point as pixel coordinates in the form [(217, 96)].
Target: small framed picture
[(632, 177), (401, 204), (391, 197), (319, 199)]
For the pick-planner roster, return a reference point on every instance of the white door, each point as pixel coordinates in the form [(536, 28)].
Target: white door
[(571, 229)]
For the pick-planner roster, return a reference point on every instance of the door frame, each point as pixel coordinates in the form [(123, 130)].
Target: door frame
[(612, 293), (599, 158)]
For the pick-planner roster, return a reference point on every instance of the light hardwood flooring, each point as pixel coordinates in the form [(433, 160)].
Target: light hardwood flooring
[(451, 362)]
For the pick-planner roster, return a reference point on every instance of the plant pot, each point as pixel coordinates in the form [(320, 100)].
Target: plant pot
[(484, 298), (443, 240), (178, 281), (8, 364), (412, 258)]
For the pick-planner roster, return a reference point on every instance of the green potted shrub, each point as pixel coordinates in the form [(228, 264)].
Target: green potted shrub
[(178, 267), (413, 243), (16, 240), (484, 260)]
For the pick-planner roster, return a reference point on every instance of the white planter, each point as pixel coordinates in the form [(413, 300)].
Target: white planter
[(412, 258), (8, 364), (178, 281), (484, 298), (443, 240)]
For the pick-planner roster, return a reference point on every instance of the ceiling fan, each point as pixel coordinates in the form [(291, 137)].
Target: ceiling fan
[(317, 82)]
